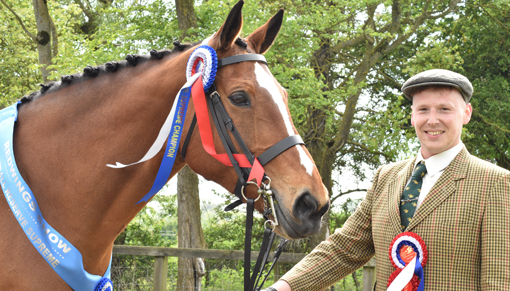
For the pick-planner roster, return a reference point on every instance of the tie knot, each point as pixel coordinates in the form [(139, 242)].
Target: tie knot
[(420, 170)]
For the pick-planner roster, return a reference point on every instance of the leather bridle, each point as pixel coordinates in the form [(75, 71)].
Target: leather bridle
[(225, 127)]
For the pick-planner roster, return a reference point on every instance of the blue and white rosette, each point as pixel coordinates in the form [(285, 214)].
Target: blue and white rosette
[(202, 62), (408, 254)]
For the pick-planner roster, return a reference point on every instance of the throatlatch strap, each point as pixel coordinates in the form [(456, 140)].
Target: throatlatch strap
[(225, 140), (188, 136)]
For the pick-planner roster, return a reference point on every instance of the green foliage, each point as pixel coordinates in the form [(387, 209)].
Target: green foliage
[(19, 72), (125, 28), (225, 230), (155, 225), (481, 35), (339, 214)]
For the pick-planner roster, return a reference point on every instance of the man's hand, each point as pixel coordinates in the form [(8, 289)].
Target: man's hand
[(279, 286)]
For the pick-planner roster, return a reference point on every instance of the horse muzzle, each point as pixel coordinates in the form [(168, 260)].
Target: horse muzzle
[(303, 220)]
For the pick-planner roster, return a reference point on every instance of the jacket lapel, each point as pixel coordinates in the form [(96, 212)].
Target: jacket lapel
[(396, 187), (444, 187)]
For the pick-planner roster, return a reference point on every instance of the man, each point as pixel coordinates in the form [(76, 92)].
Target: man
[(459, 210)]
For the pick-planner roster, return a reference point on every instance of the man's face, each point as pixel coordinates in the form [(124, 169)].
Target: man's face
[(438, 115)]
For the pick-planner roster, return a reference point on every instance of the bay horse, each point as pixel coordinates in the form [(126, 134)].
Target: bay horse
[(67, 132)]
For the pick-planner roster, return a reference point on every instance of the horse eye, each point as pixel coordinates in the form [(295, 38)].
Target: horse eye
[(240, 99)]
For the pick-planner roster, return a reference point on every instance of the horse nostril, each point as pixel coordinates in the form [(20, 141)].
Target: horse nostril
[(308, 214), (306, 207)]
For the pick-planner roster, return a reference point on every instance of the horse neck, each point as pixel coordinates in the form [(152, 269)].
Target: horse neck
[(66, 138)]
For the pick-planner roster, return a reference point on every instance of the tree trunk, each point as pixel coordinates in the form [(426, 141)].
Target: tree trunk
[(44, 32), (185, 15), (190, 233)]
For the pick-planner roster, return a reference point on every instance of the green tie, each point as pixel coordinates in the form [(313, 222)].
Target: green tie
[(411, 194)]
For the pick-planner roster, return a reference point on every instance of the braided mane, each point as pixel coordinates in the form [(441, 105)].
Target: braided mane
[(131, 60), (90, 72)]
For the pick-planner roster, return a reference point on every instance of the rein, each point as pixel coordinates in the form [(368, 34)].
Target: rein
[(225, 125)]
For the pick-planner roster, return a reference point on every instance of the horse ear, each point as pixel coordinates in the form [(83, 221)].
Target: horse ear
[(262, 38), (231, 28)]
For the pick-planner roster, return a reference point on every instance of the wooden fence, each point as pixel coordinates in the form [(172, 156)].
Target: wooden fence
[(161, 260)]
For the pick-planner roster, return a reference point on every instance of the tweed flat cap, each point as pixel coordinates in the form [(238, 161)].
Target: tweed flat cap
[(439, 77)]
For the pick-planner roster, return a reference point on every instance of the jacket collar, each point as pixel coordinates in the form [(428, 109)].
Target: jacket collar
[(444, 187)]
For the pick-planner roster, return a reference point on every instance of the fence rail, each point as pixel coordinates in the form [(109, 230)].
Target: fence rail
[(161, 255)]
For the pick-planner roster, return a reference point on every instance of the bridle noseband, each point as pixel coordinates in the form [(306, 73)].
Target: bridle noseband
[(225, 127)]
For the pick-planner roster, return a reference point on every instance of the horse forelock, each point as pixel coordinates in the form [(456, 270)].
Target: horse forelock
[(89, 72)]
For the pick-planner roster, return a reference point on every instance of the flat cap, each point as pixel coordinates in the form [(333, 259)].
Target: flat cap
[(439, 77)]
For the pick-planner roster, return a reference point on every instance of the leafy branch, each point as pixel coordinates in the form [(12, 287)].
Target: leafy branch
[(20, 22)]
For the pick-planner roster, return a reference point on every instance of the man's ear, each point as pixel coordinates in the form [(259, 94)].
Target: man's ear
[(262, 38), (467, 113)]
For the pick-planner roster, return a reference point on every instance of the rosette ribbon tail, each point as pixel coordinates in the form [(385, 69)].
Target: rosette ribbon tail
[(404, 277), (170, 131), (165, 129), (418, 271)]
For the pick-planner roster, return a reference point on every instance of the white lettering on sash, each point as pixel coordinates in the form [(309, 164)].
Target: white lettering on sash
[(11, 172), (54, 238), (63, 246), (41, 247), (26, 196)]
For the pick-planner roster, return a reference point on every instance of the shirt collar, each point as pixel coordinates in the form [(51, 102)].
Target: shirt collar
[(439, 162)]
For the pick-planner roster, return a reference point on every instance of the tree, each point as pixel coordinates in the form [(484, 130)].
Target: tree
[(185, 15), (485, 49), (190, 228), (342, 64), (18, 52), (46, 38), (190, 234)]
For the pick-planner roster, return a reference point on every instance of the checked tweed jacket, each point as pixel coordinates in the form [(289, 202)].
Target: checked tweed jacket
[(464, 221)]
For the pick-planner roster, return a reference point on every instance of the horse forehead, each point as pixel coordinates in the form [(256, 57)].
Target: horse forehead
[(265, 80), (268, 82)]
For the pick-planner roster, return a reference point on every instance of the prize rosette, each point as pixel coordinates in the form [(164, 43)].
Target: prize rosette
[(408, 255), (104, 285), (203, 59)]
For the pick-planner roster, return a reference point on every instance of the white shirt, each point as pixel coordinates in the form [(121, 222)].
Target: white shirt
[(436, 165)]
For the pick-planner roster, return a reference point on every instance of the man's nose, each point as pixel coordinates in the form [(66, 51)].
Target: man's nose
[(433, 118)]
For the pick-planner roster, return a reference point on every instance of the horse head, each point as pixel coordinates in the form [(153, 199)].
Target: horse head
[(257, 105)]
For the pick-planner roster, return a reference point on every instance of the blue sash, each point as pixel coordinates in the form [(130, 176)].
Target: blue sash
[(58, 252)]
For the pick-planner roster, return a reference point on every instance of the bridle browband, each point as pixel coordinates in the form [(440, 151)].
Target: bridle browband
[(225, 127)]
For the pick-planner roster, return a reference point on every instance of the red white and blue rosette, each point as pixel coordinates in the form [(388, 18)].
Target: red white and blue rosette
[(204, 60), (408, 254)]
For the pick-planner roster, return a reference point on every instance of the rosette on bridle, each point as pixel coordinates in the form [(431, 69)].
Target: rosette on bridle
[(205, 61), (408, 254)]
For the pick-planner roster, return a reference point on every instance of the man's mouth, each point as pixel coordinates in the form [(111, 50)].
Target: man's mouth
[(434, 132)]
